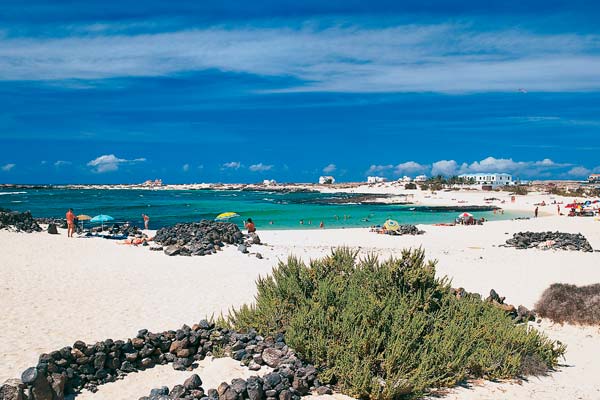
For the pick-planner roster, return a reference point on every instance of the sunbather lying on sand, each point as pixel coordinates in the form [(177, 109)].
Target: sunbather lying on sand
[(136, 241)]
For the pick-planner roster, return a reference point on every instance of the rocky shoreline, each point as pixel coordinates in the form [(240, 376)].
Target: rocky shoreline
[(18, 221), (373, 199)]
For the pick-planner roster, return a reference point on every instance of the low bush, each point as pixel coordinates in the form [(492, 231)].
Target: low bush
[(388, 330), (572, 304), (518, 189)]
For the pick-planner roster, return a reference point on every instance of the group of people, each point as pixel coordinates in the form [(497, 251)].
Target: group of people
[(321, 224), (72, 222), (471, 220)]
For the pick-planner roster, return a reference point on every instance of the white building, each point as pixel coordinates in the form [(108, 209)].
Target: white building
[(488, 179), (326, 180), (376, 179), (269, 182), (594, 178), (153, 183), (421, 178), (405, 179)]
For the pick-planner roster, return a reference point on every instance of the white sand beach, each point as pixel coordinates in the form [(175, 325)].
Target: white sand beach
[(56, 290)]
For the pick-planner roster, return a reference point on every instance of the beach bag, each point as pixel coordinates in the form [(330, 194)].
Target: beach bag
[(52, 229)]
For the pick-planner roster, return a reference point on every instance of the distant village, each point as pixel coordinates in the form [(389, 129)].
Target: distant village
[(485, 180), (482, 181)]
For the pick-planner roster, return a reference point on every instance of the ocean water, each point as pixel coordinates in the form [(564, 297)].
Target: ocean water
[(269, 210)]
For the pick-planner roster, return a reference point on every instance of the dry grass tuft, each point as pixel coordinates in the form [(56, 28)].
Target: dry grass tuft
[(572, 304)]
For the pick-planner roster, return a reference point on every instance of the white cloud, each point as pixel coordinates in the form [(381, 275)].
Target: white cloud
[(61, 163), (491, 164), (579, 172), (232, 165), (349, 58), (260, 167), (377, 169), (110, 162), (539, 168), (7, 167), (185, 167), (329, 169), (444, 167), (410, 167)]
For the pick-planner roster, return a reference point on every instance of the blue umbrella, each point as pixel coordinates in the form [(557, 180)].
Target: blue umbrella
[(102, 218)]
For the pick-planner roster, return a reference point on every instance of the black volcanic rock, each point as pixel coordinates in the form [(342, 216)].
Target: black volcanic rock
[(18, 221), (549, 240), (198, 238)]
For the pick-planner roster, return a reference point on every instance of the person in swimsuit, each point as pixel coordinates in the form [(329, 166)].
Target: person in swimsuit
[(250, 226), (70, 222), (146, 220)]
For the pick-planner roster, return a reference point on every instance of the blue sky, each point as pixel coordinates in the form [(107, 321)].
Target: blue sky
[(242, 91)]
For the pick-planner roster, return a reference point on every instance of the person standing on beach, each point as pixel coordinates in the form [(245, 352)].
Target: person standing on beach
[(558, 208), (250, 226), (146, 220), (536, 212), (70, 222)]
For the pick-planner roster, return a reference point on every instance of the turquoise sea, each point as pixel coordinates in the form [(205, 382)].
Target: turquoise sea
[(269, 210)]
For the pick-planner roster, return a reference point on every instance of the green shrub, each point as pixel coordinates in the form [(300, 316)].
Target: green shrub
[(387, 330)]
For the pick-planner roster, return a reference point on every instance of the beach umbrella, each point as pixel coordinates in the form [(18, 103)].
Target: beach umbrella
[(226, 216), (572, 205), (465, 215), (102, 218), (391, 225), (83, 217)]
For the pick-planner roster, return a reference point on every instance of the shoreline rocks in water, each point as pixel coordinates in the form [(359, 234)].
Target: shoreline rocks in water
[(18, 221), (198, 238), (549, 240)]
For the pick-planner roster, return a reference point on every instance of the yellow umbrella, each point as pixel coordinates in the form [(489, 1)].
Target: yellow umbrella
[(226, 215), (391, 225), (83, 217)]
